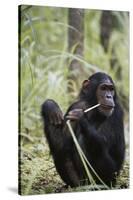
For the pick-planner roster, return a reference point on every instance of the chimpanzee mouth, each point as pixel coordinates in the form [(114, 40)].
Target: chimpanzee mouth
[(108, 107)]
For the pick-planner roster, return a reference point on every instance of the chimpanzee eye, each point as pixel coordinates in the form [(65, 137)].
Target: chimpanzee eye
[(103, 87), (112, 88)]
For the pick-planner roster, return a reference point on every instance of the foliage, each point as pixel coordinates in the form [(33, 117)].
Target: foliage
[(44, 71)]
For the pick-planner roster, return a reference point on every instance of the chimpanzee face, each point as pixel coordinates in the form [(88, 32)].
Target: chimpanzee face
[(105, 97)]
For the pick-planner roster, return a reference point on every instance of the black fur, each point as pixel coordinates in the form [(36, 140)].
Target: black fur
[(101, 138)]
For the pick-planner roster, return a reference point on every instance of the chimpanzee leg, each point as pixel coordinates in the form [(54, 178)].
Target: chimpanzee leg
[(53, 124), (60, 142)]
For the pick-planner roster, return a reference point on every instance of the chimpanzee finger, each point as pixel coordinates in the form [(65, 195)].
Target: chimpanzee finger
[(76, 113), (77, 110), (72, 117)]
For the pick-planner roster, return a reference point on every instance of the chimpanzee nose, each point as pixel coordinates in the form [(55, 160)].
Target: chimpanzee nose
[(108, 96)]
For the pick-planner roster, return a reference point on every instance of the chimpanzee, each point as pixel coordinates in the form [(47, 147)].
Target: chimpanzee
[(100, 132)]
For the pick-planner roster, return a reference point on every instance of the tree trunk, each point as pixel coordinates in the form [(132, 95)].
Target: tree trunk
[(108, 24), (76, 36)]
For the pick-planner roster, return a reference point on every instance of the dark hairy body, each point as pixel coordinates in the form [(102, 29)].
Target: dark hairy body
[(100, 133)]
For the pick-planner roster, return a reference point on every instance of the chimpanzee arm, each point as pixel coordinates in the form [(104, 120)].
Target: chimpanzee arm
[(97, 141), (118, 151), (79, 118), (98, 149)]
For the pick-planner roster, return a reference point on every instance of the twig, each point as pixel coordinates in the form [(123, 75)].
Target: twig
[(91, 108)]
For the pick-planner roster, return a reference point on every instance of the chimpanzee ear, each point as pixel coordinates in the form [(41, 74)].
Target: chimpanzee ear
[(85, 83)]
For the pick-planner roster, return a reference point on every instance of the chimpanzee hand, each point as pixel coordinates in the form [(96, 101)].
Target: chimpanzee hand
[(52, 112), (75, 114)]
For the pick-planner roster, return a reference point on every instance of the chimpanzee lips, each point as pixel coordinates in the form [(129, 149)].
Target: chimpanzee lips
[(107, 106)]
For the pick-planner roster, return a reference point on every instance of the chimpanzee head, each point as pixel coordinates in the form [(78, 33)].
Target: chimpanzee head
[(99, 88)]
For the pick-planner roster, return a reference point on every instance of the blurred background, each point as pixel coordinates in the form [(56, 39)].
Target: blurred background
[(58, 49)]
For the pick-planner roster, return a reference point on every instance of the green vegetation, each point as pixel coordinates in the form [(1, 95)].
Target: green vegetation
[(44, 71)]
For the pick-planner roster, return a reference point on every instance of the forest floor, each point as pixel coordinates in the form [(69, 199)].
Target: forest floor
[(39, 176)]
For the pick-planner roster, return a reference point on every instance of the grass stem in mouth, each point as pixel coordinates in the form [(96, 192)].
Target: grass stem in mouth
[(91, 108)]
